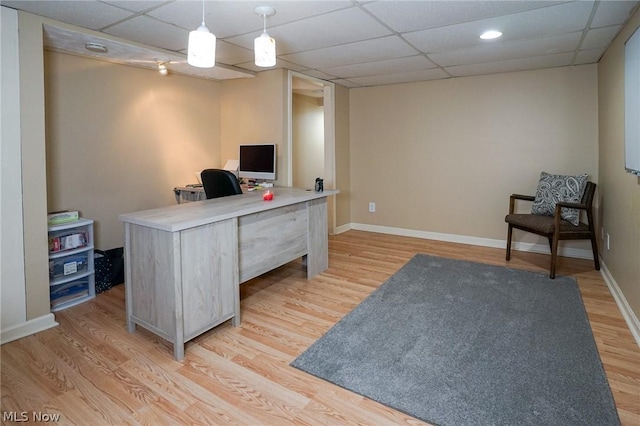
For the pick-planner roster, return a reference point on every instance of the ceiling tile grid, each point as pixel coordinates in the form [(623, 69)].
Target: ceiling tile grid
[(352, 43)]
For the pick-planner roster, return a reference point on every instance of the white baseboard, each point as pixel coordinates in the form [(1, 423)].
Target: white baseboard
[(27, 328), (476, 241), (342, 228), (621, 301)]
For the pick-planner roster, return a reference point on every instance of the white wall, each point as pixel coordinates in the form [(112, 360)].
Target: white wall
[(619, 192), (308, 140), (12, 290), (120, 138), (15, 319), (444, 156)]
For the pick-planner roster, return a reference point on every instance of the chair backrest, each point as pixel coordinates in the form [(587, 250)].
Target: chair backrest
[(587, 200), (219, 183), (588, 194)]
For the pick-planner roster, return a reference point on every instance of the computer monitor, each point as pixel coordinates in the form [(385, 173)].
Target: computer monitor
[(257, 161)]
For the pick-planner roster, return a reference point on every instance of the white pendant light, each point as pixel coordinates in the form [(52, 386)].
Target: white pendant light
[(202, 46), (265, 46)]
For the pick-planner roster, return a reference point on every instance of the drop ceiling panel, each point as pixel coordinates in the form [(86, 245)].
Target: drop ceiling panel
[(152, 32), (232, 18), (280, 63), (388, 66), (345, 83), (588, 56), (522, 64), (135, 6), (614, 12), (353, 53), (600, 37), (530, 24), (513, 50), (231, 54), (318, 74), (222, 18), (405, 16), (404, 77), (93, 15), (330, 29)]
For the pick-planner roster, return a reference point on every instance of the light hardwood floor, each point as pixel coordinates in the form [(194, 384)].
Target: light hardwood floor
[(92, 372)]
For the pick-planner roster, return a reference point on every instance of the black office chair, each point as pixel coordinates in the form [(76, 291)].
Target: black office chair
[(219, 183)]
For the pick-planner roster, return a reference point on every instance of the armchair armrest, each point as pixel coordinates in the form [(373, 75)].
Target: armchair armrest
[(514, 197), (564, 204), (523, 197), (557, 214)]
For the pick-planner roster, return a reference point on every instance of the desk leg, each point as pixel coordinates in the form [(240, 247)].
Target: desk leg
[(178, 351), (235, 321), (131, 326), (178, 307), (317, 239)]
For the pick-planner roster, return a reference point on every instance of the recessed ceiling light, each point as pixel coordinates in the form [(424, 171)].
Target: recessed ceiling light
[(96, 47), (490, 35)]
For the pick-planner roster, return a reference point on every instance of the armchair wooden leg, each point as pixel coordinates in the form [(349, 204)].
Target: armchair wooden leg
[(554, 256), (509, 233), (594, 247)]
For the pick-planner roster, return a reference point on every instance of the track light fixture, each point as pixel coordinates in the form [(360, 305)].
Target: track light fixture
[(264, 46), (202, 46), (96, 47)]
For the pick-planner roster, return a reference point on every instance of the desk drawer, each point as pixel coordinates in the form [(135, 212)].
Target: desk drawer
[(271, 238)]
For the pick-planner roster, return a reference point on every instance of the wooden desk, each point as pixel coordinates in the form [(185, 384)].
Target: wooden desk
[(184, 263)]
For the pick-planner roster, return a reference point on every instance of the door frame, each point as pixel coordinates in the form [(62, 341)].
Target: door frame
[(329, 139)]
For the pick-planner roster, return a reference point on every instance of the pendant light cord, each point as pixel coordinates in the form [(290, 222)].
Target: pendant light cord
[(203, 12)]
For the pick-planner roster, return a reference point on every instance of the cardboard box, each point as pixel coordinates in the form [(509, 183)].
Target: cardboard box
[(57, 218)]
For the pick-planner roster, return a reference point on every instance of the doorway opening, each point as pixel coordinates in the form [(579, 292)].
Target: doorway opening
[(311, 135)]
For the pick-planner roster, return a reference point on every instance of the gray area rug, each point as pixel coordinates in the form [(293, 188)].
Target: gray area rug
[(460, 343)]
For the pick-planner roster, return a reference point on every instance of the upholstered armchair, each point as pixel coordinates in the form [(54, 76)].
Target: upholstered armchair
[(563, 224)]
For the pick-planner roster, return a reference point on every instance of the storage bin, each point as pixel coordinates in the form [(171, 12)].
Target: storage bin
[(109, 266), (68, 265), (67, 240), (71, 290)]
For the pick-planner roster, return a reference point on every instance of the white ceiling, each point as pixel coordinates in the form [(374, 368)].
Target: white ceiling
[(352, 43)]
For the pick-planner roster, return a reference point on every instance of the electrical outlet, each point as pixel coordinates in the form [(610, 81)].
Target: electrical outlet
[(372, 207)]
